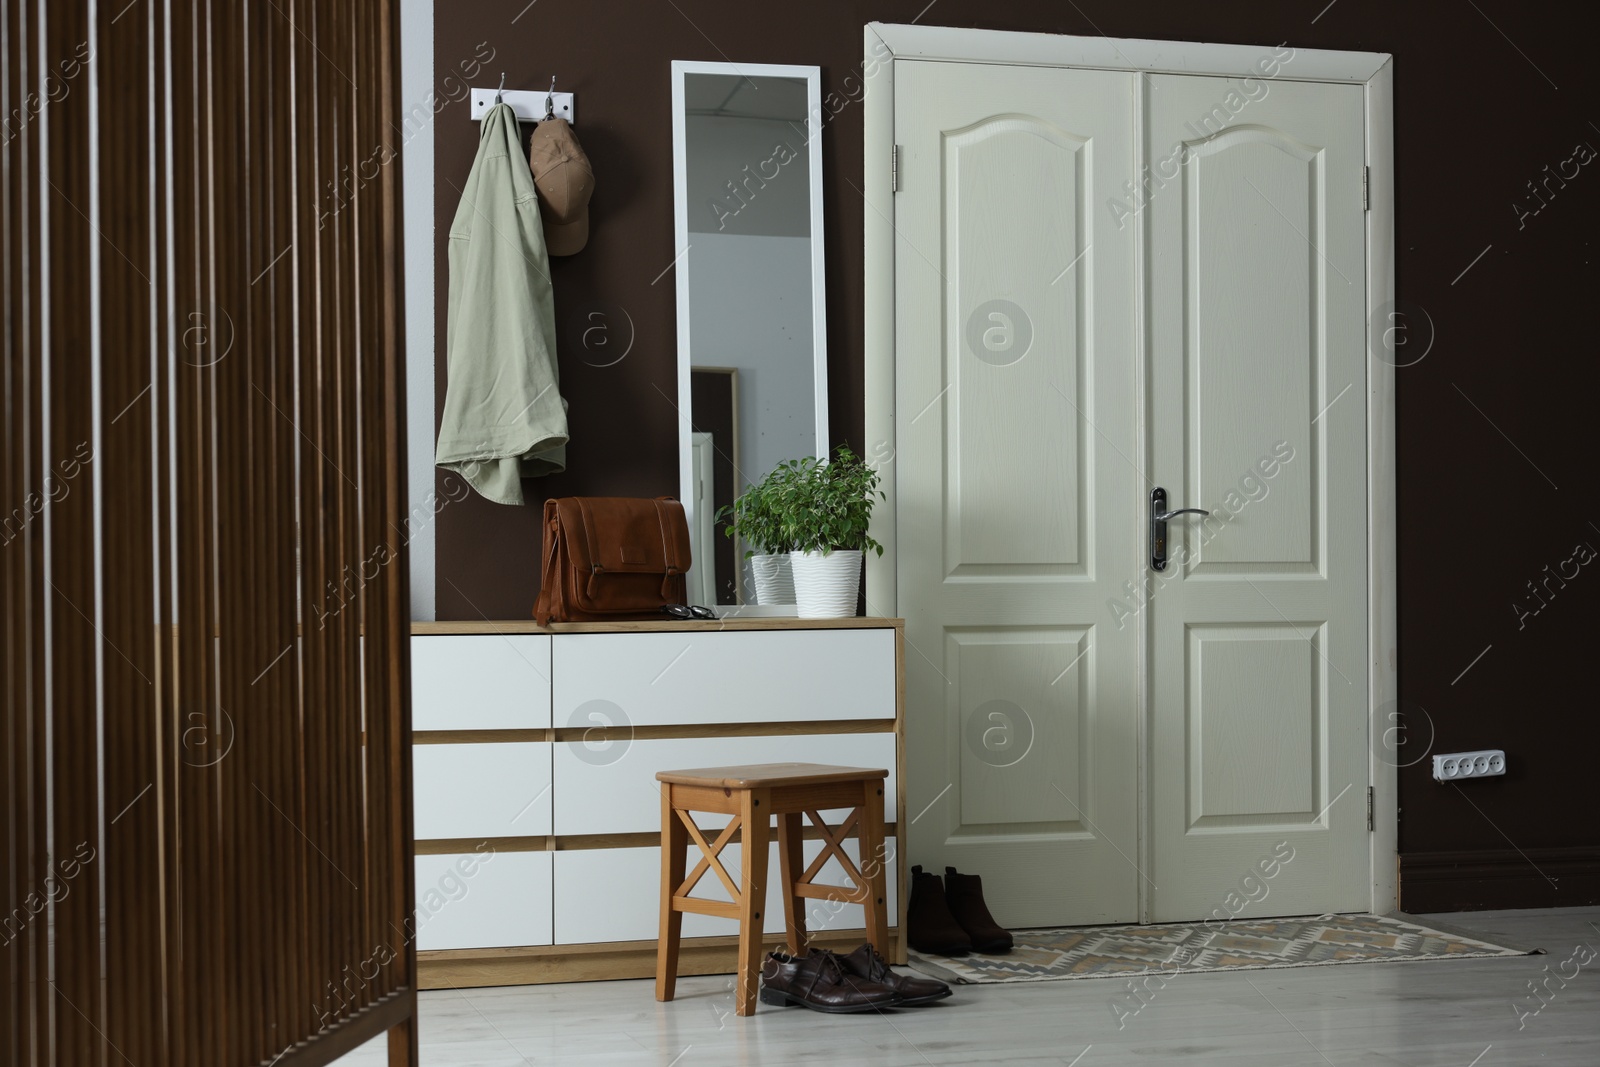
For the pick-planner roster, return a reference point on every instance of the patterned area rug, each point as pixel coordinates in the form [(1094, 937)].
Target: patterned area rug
[(1182, 948)]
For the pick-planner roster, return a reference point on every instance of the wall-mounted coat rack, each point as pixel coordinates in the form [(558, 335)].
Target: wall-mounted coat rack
[(529, 105)]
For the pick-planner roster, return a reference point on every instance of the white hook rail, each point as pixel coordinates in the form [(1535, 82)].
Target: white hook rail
[(527, 103)]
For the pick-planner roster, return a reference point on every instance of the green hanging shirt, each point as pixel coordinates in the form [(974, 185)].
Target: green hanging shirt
[(504, 419)]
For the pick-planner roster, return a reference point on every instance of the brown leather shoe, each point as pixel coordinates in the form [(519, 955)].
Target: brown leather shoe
[(818, 981), (865, 963)]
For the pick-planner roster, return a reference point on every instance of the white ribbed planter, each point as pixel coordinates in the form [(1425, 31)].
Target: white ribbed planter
[(826, 586), (774, 577)]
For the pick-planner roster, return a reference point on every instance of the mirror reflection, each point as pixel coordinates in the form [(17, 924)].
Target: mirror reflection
[(749, 297)]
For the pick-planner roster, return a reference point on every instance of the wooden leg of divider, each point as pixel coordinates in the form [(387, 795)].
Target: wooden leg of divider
[(403, 1043)]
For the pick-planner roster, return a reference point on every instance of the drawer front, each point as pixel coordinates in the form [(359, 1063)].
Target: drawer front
[(613, 789), (612, 894), (668, 679), (484, 900), (480, 682), (481, 790)]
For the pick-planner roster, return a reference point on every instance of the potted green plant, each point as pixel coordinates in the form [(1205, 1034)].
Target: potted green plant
[(824, 508), (752, 519)]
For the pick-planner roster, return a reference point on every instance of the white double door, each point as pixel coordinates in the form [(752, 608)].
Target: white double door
[(1103, 741)]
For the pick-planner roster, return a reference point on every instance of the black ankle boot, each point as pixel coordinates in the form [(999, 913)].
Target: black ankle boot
[(929, 925), (964, 899)]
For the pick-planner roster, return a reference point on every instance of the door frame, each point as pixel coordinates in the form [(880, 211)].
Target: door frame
[(882, 44)]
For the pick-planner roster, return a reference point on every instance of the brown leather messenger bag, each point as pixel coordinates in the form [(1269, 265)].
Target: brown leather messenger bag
[(608, 558)]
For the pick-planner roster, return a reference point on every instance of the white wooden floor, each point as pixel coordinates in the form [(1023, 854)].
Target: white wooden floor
[(1462, 1013)]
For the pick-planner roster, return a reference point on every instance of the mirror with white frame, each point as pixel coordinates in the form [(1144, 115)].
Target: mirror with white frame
[(752, 360)]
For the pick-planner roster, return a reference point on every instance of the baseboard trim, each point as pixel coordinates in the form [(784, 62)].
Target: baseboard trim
[(544, 964), (1481, 880)]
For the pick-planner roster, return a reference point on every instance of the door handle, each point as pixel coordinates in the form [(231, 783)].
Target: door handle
[(1158, 526)]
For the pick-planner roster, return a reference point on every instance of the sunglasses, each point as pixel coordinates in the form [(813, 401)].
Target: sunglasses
[(688, 611)]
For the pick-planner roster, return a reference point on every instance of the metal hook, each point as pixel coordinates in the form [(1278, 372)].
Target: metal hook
[(500, 93), (550, 101)]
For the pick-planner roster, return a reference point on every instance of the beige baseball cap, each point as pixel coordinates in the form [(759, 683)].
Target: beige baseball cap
[(565, 181)]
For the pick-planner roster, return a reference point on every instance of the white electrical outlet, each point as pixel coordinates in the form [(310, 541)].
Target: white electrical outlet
[(1454, 766)]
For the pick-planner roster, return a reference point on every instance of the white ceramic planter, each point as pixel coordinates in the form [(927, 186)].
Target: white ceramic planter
[(826, 586), (774, 577)]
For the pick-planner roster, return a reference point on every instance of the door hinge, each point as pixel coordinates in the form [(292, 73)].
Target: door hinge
[(1371, 825), (1366, 188), (894, 170)]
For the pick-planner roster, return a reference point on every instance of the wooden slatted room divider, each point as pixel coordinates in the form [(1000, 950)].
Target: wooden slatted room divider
[(206, 795)]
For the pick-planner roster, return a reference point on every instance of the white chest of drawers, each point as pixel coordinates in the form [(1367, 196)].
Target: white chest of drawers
[(535, 755)]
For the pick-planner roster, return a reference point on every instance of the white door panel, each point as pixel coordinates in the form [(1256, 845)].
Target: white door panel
[(1015, 341), (1256, 385)]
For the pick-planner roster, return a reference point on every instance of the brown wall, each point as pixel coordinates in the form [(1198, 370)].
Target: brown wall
[(1492, 482)]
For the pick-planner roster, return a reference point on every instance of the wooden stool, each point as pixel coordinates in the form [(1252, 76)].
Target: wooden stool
[(752, 795)]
